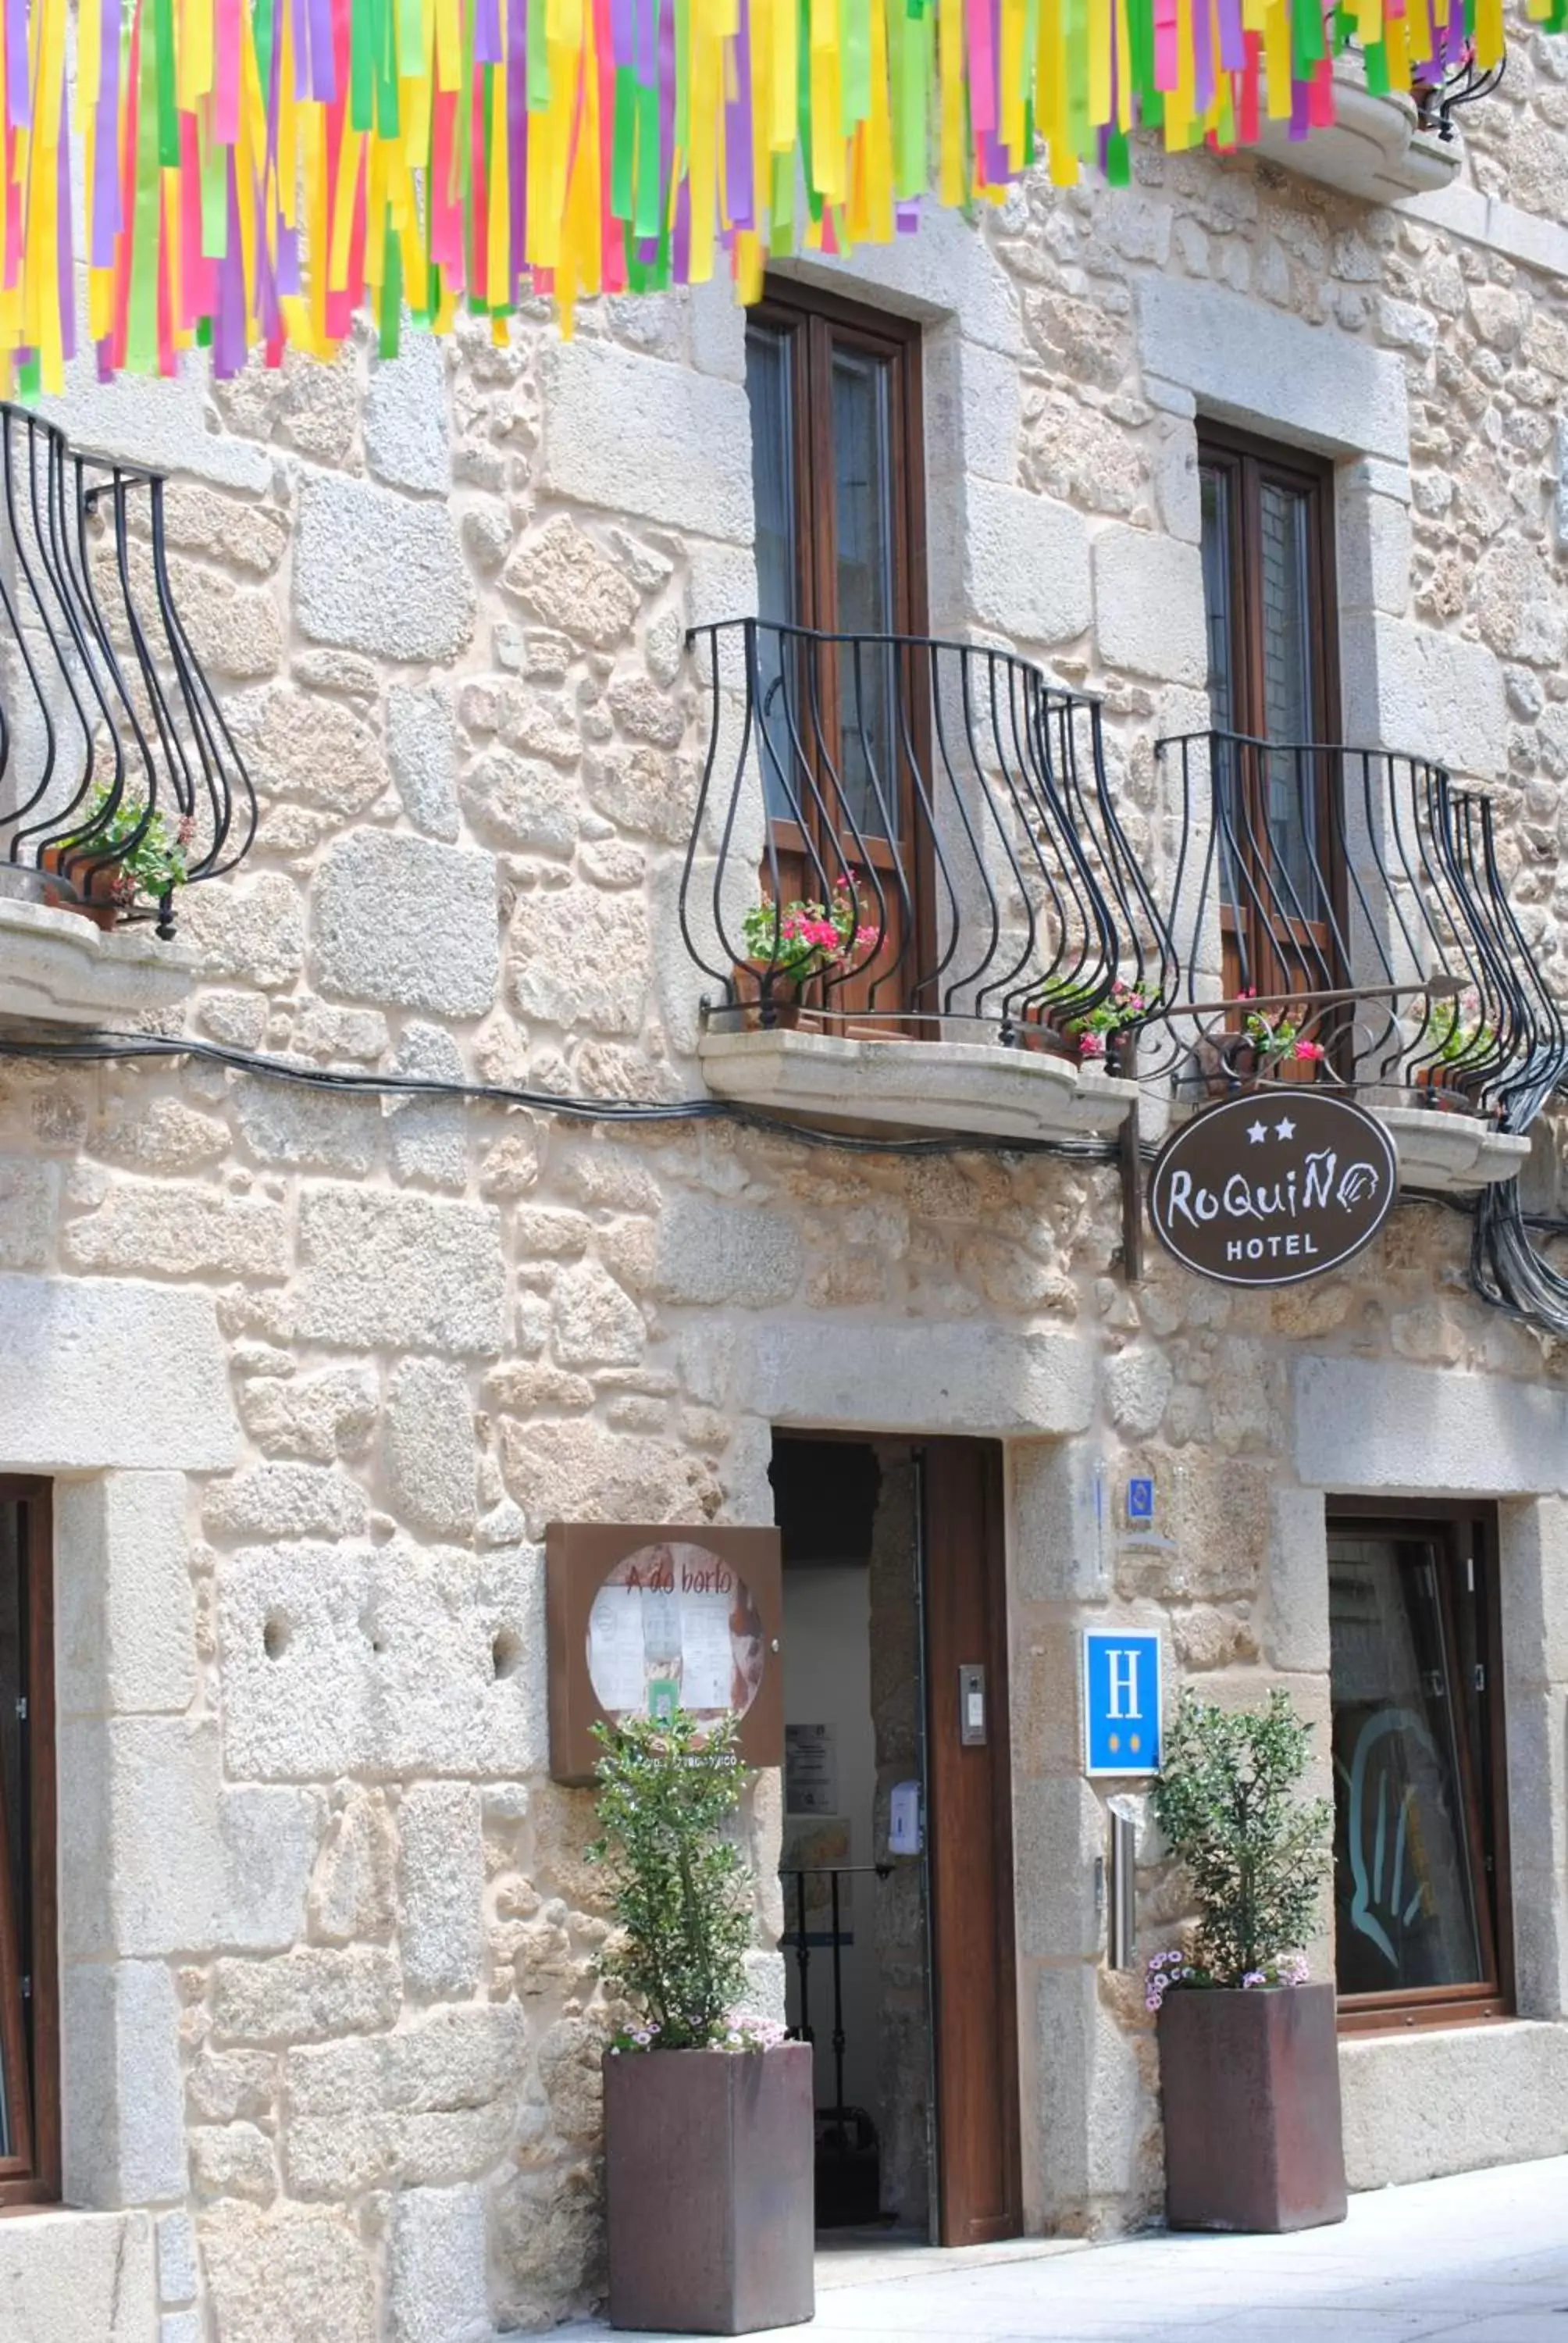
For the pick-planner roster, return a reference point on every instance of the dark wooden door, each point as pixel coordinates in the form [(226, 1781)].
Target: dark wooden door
[(974, 2011)]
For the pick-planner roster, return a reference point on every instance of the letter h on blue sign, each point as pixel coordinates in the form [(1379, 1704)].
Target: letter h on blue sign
[(1121, 1698)]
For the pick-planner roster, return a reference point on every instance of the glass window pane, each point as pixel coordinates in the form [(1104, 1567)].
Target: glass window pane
[(13, 1684), (1405, 1899), (769, 391), (863, 523), (1286, 580), (1218, 511), (770, 394), (1214, 492)]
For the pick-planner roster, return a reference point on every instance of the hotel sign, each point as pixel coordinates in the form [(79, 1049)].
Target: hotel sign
[(1274, 1187)]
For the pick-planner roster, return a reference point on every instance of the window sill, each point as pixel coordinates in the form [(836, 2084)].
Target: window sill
[(1425, 2018), (58, 967), (980, 1089), (1373, 149), (1454, 1153)]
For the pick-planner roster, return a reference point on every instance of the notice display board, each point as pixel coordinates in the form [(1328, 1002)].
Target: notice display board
[(646, 1619)]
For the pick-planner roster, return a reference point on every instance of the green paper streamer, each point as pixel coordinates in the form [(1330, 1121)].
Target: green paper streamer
[(169, 119), (142, 307), (623, 150), (391, 291), (361, 68)]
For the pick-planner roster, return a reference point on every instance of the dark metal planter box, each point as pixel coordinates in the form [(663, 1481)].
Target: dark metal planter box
[(708, 2173), (1251, 2083)]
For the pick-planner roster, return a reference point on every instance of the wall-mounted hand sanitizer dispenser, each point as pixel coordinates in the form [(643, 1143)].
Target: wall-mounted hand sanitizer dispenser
[(904, 1818)]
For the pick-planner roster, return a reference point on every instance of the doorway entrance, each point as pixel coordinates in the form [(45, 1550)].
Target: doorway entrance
[(897, 1859)]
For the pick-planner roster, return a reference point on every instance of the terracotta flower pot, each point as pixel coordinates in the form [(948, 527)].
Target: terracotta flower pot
[(709, 2181), (1442, 1090), (86, 885), (1233, 1062), (1251, 2084), (1034, 1030), (777, 1001)]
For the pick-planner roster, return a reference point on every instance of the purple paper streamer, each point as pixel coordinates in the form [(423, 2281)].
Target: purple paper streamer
[(737, 130), (228, 348), (666, 108), (517, 134), (488, 32), (18, 83), (66, 255), (323, 64), (1233, 37), (106, 220), (682, 252), (1301, 109), (288, 278), (1202, 56), (622, 32)]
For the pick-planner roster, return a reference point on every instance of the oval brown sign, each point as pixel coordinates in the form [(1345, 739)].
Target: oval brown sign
[(1274, 1187)]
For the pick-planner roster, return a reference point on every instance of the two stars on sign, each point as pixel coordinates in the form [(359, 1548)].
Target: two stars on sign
[(1258, 1132)]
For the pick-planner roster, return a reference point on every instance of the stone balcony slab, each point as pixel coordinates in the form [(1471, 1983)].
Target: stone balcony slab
[(1454, 1153), (980, 1088), (1373, 148), (58, 967)]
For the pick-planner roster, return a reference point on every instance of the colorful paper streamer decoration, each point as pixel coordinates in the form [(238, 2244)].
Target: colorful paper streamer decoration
[(254, 171)]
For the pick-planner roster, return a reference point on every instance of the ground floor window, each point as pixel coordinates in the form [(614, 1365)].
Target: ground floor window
[(29, 2020), (1420, 1883)]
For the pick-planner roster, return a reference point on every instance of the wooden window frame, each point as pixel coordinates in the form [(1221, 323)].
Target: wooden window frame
[(32, 2032), (1491, 1999), (816, 324), (1248, 464)]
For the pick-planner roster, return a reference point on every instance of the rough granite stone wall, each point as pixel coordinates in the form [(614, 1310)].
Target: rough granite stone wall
[(445, 598)]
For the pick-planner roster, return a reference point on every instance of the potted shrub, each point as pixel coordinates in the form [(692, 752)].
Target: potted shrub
[(1269, 1038), (709, 2126), (106, 867), (1454, 1045), (1061, 1021), (787, 944), (1249, 2054)]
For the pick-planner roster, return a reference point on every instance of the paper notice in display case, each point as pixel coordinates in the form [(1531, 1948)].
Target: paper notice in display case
[(643, 1620), (810, 1769)]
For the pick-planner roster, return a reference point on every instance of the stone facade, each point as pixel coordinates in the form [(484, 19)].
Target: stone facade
[(315, 1367)]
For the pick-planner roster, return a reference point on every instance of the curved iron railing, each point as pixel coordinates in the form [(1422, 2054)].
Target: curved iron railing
[(940, 803), (113, 746), (1355, 896)]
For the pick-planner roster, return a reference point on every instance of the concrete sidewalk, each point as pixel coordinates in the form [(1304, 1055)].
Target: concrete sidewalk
[(1482, 2257)]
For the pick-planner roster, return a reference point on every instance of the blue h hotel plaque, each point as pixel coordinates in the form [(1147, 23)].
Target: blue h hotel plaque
[(1121, 1703)]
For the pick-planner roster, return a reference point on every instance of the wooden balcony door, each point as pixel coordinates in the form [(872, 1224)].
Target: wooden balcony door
[(838, 472), (1269, 594)]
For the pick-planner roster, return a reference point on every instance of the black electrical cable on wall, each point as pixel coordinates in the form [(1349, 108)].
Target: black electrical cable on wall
[(116, 1049)]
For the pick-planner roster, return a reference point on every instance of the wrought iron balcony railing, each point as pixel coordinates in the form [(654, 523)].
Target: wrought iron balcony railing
[(119, 781), (908, 835), (1339, 914)]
